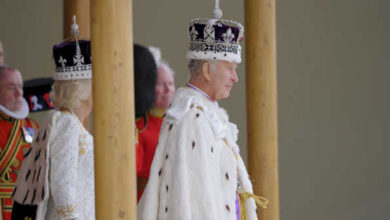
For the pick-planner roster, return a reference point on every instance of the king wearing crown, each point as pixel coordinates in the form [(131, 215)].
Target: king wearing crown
[(197, 170)]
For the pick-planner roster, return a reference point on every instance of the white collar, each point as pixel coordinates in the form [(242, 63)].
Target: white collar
[(21, 114)]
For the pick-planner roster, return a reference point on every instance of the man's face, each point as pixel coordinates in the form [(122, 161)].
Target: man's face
[(1, 54), (11, 90), (222, 80), (165, 88)]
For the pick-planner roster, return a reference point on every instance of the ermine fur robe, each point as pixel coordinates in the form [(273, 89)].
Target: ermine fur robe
[(196, 166)]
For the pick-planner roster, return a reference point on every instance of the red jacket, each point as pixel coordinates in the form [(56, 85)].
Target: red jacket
[(14, 134)]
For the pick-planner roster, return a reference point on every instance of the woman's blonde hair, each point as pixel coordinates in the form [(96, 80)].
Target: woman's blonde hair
[(69, 94)]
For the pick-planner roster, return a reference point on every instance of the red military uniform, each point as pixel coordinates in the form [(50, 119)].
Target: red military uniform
[(14, 137), (148, 131)]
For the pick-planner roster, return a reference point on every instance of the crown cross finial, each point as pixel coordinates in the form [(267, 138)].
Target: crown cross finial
[(62, 61)]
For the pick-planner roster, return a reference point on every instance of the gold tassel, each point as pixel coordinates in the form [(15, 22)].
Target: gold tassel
[(260, 201)]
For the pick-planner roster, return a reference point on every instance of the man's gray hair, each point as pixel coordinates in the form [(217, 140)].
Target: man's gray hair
[(4, 68), (166, 66), (195, 66)]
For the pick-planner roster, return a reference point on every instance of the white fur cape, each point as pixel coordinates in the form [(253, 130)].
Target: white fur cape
[(195, 169), (58, 172)]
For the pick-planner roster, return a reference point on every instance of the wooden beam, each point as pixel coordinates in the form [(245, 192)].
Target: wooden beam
[(262, 103), (113, 103)]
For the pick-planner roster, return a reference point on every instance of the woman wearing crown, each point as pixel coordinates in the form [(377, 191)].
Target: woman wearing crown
[(57, 178)]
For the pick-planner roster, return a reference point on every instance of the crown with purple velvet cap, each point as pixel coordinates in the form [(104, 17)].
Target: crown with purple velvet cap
[(73, 59), (215, 38)]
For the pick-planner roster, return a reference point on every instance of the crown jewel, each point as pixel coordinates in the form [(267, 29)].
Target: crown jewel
[(73, 59), (215, 38)]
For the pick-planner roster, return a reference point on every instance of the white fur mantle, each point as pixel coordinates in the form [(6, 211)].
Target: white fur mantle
[(58, 172), (194, 171)]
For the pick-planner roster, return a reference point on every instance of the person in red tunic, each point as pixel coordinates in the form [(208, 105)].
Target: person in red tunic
[(149, 125), (16, 134), (145, 74)]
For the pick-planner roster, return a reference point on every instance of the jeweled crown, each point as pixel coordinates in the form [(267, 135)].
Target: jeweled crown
[(215, 38), (73, 59)]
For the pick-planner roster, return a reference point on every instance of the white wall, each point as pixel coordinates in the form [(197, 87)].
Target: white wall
[(28, 30), (334, 102)]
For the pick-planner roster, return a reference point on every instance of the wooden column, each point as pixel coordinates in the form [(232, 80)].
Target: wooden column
[(80, 8), (113, 104), (262, 102)]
